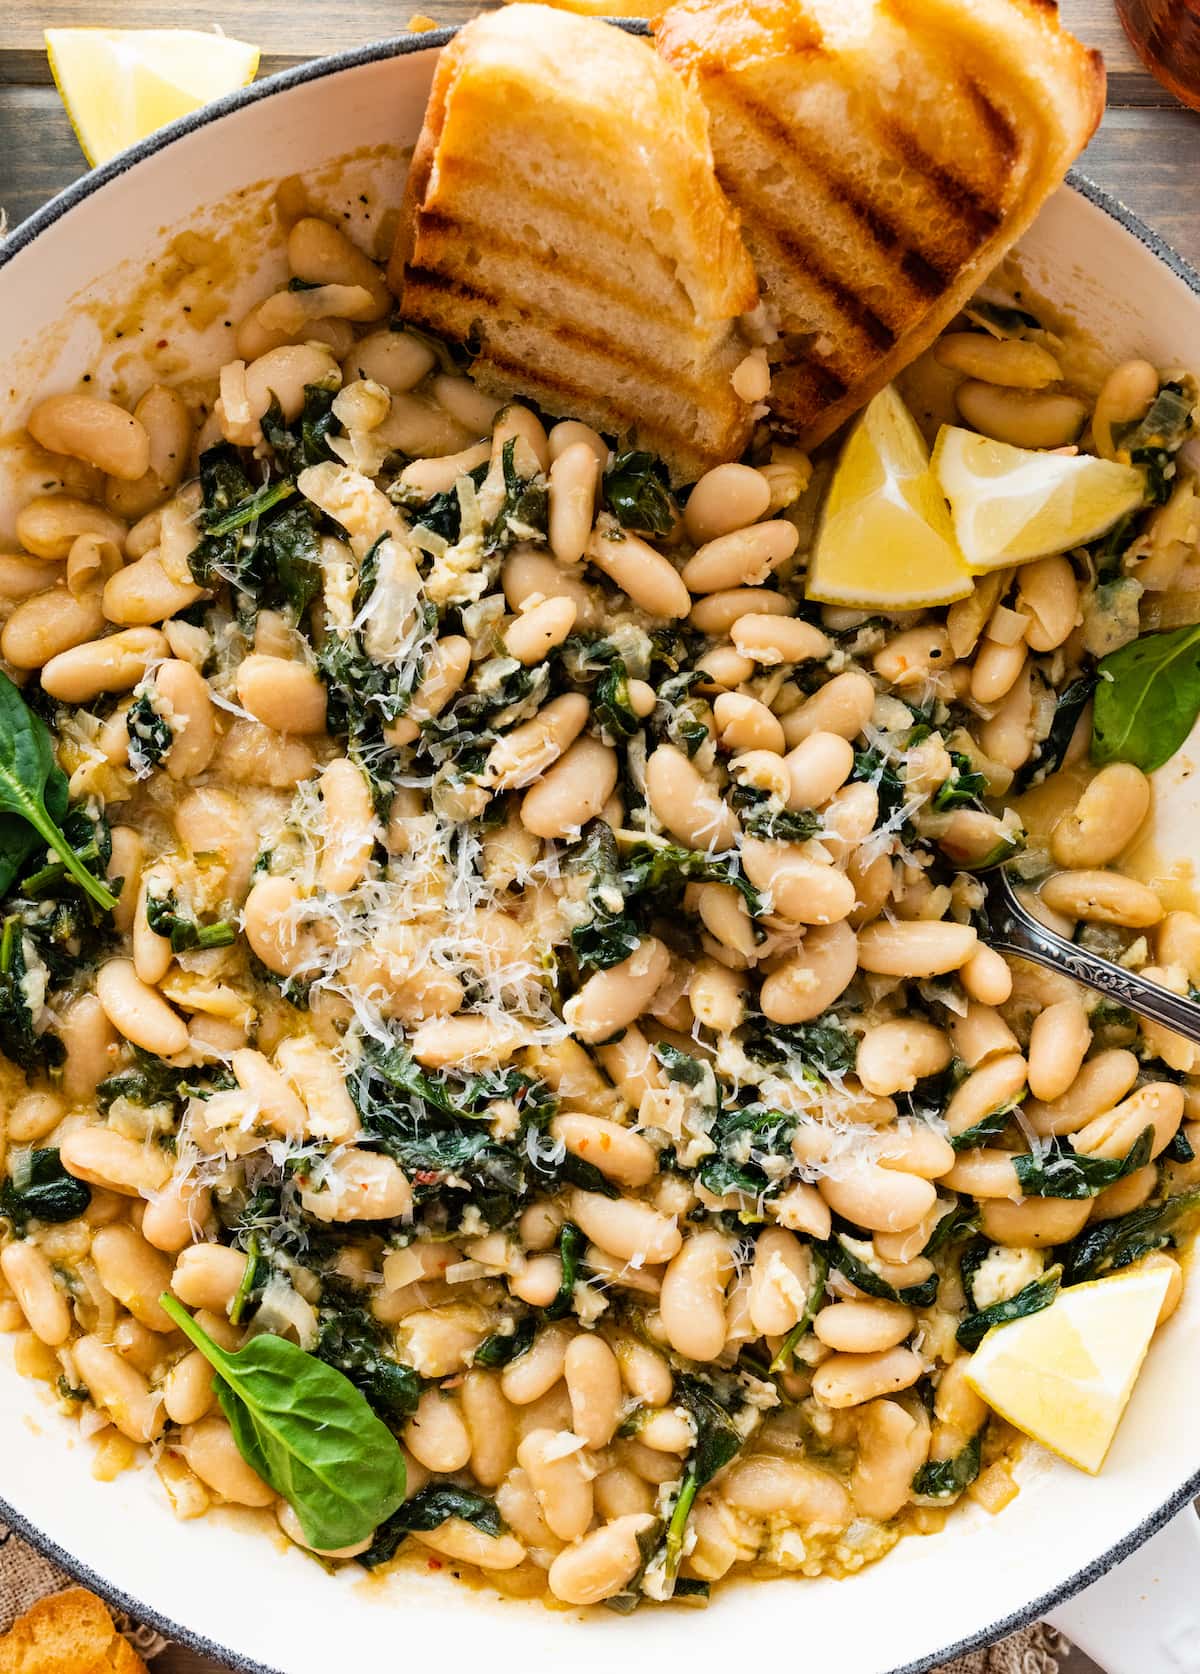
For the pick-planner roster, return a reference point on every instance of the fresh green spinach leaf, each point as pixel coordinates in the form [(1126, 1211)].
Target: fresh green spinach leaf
[(28, 780), (307, 1431), (1147, 698)]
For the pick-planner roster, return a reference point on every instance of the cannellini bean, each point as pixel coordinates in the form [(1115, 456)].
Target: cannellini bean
[(49, 525), (717, 996), (984, 1172), (810, 980), (619, 1154), (436, 1435), (601, 1563), (348, 826), (96, 431), (135, 1273), (609, 1000), (1100, 1084), (31, 1279), (113, 664), (47, 625), (212, 1453), (650, 580), (724, 499), (560, 1481), (1023, 418), (535, 633), (1157, 1106), (1008, 361), (780, 1281), (914, 656), (627, 1229), (862, 1327), (138, 1011), (464, 1543), (358, 1186), (208, 1276), (743, 723), (918, 949), (803, 890), (593, 1379), (717, 613), (532, 1374), (175, 1214), (996, 1083), (692, 1299), (740, 559), (893, 1057), (986, 977), (525, 753), (1106, 818), (1102, 898), (1124, 396), (574, 477), (572, 791), (118, 1389), (765, 1487), (878, 1198), (847, 1380), (530, 572), (108, 1159), (33, 1116), (1036, 1223), (321, 254), (818, 766), (143, 593), (1058, 1044), (283, 695), (893, 1444), (491, 1426), (772, 639), (726, 917), (686, 803), (842, 706)]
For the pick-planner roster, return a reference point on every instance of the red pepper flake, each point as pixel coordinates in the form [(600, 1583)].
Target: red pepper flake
[(426, 1177), (434, 1563)]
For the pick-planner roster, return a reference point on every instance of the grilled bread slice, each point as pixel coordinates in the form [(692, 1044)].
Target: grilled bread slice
[(883, 156), (562, 216), (68, 1633)]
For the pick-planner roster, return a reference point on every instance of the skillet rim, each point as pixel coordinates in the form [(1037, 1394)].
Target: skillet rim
[(20, 239)]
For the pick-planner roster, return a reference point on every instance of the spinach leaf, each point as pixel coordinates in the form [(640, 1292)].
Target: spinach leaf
[(306, 444), (1059, 1171), (307, 1431), (636, 492), (291, 550), (652, 868), (871, 767), (1037, 1294), (523, 515), (718, 1440), (823, 1046), (1108, 1246), (728, 1168), (988, 1127), (609, 935), (40, 1189), (19, 1037), (760, 819), (501, 1347), (1147, 698), (184, 934), (611, 705), (427, 1510), (150, 735), (839, 1254), (571, 1244), (965, 788), (946, 1479), (30, 780), (351, 1340), (1047, 757)]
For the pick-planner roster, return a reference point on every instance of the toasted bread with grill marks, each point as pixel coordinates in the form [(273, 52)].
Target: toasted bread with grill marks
[(883, 156), (562, 214)]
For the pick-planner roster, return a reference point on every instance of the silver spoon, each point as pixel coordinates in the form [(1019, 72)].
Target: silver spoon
[(1012, 928)]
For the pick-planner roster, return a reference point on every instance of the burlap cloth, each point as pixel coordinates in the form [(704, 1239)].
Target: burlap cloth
[(26, 1576)]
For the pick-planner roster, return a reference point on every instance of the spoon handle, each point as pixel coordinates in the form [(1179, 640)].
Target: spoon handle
[(1013, 929)]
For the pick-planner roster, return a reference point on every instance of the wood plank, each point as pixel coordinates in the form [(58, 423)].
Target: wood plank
[(332, 25)]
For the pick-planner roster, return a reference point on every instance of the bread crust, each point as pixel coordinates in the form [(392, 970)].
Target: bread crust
[(864, 288), (569, 149), (69, 1633)]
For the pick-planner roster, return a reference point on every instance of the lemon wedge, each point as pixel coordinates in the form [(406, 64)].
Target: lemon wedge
[(1011, 504), (121, 84), (885, 536), (1065, 1375)]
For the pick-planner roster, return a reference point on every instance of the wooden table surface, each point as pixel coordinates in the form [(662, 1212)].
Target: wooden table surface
[(1147, 152)]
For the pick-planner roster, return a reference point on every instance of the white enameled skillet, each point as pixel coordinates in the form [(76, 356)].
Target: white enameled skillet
[(224, 1584)]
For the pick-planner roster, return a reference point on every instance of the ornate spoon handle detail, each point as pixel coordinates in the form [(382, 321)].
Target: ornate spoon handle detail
[(1011, 928)]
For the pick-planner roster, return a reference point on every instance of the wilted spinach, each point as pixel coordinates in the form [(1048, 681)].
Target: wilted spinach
[(1108, 1246), (40, 1189), (183, 933), (429, 1509), (1059, 1171), (636, 491), (350, 1339), (946, 1479), (1035, 1296), (150, 735), (853, 1267)]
